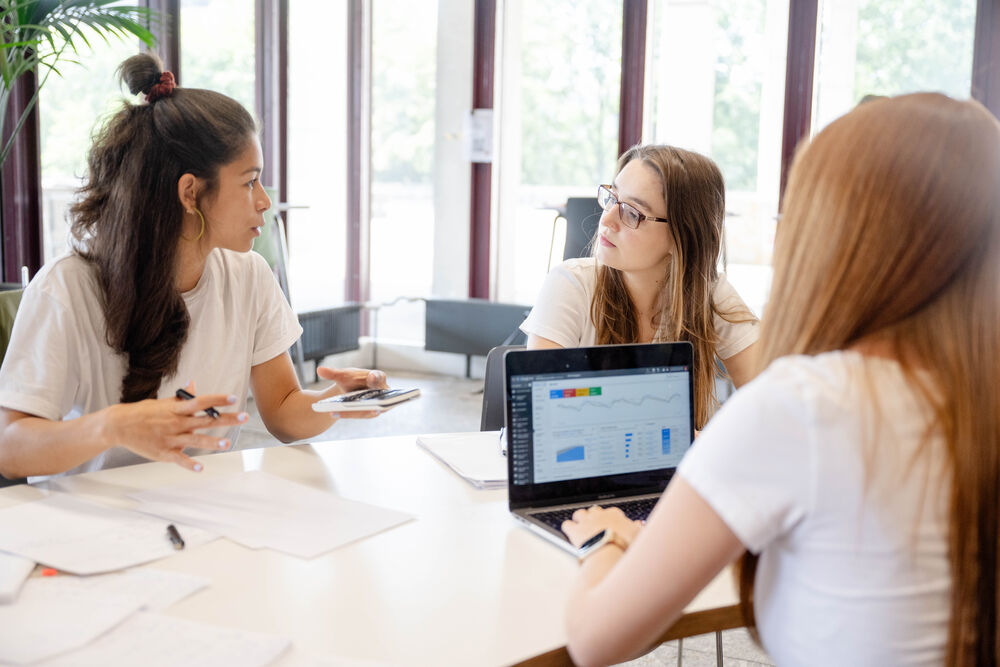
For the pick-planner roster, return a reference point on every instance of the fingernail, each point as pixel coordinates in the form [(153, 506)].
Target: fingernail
[(223, 443), (197, 467), (231, 399), (243, 417)]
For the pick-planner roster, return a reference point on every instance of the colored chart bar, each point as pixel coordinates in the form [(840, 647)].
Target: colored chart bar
[(574, 393), (665, 440), (570, 454)]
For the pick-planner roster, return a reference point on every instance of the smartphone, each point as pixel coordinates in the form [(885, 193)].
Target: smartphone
[(365, 399)]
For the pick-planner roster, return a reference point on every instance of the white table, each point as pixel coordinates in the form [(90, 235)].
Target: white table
[(461, 585)]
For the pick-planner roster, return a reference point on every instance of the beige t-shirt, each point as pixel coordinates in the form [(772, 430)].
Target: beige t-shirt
[(59, 365), (562, 310)]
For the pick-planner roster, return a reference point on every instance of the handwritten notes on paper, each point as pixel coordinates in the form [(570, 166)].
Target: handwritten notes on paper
[(80, 537), (53, 615), (152, 640), (257, 509)]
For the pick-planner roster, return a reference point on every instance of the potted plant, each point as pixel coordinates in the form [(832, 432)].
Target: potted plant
[(36, 36)]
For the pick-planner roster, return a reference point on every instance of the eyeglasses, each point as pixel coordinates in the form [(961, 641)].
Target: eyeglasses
[(630, 215)]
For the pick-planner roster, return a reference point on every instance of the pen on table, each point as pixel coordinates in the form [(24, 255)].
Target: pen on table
[(175, 537), (187, 396)]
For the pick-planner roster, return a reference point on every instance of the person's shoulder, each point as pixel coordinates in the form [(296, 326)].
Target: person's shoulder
[(577, 265), (65, 277), (580, 270), (805, 384), (726, 296), (233, 263)]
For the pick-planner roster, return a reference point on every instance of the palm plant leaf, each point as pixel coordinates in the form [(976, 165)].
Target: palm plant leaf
[(35, 35)]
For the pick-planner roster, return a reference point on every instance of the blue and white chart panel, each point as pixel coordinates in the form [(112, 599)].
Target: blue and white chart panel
[(607, 425)]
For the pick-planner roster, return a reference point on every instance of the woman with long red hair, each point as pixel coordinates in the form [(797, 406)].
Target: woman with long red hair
[(859, 473)]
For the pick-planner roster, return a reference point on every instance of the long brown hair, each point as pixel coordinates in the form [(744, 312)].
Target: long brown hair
[(695, 194), (128, 221), (891, 233)]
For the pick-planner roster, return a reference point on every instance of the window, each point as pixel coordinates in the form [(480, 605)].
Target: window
[(217, 48), (404, 98), (317, 153), (559, 89), (70, 108), (889, 47), (715, 84)]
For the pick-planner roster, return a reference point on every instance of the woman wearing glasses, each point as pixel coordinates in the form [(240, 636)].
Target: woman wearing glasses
[(653, 275)]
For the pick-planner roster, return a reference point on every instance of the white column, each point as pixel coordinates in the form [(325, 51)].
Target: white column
[(507, 151), (452, 172), (685, 80), (838, 49), (772, 104)]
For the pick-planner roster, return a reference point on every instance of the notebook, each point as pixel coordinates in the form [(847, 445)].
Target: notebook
[(603, 425)]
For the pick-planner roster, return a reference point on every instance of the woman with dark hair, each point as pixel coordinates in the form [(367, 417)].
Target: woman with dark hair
[(161, 293), (858, 474), (654, 272)]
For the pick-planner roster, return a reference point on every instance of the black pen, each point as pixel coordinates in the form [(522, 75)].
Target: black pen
[(175, 537), (187, 396)]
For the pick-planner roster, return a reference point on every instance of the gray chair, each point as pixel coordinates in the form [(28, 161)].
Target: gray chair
[(472, 326), (582, 217), (272, 246), (494, 414), (10, 299)]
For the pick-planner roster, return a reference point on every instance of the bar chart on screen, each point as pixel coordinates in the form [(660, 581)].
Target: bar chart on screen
[(614, 424)]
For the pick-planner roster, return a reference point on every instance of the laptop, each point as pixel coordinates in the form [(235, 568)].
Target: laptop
[(603, 425)]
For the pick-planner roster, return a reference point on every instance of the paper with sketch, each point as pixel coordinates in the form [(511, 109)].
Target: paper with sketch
[(474, 456), (57, 614), (80, 537), (152, 640), (258, 509)]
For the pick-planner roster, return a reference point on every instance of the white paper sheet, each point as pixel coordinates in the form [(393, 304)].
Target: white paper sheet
[(13, 571), (258, 509), (474, 456), (57, 614), (76, 536), (152, 640), (50, 618), (159, 589)]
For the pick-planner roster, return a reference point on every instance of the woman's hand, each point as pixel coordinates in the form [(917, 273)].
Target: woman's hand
[(588, 522), (160, 429), (352, 379)]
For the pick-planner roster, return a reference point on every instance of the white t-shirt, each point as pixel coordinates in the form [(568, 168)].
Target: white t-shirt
[(59, 365), (562, 310), (851, 525)]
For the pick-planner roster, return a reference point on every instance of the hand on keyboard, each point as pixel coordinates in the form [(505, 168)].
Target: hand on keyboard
[(588, 522)]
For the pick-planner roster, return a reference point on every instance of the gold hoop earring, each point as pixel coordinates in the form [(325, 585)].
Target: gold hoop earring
[(202, 232)]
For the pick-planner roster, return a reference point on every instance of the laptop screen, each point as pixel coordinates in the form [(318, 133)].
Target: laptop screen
[(611, 419)]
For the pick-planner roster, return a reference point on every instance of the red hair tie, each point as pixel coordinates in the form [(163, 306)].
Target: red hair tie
[(162, 89)]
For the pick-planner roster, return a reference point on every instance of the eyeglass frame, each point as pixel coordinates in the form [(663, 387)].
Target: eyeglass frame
[(612, 197)]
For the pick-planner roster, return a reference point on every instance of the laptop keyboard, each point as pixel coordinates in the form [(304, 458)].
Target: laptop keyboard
[(637, 510)]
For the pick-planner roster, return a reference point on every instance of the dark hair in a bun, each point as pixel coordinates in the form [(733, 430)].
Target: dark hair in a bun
[(140, 73), (128, 220)]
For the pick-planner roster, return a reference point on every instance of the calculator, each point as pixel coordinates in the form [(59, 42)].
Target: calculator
[(365, 400)]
